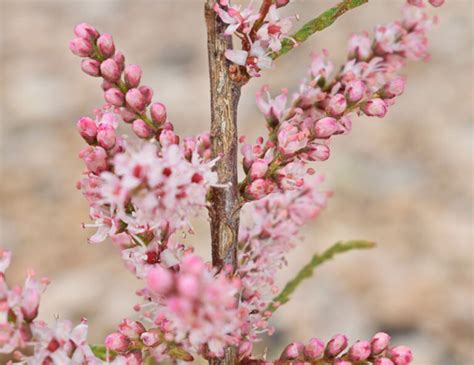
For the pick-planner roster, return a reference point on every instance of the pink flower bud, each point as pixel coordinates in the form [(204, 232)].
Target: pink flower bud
[(258, 169), (120, 59), (91, 67), (355, 91), (87, 129), (158, 113), (132, 75), (336, 345), (95, 159), (375, 108), (168, 137), (260, 188), (293, 351), (318, 152), (131, 329), (114, 97), (141, 129), (159, 280), (401, 355), (359, 351), (325, 127), (147, 93), (109, 118), (135, 100), (80, 47), (336, 105), (394, 87), (127, 115), (117, 342), (188, 286), (106, 85), (314, 349), (383, 361), (110, 70), (418, 3), (86, 31), (106, 136), (106, 45), (436, 3), (150, 338), (134, 357), (380, 343), (245, 348)]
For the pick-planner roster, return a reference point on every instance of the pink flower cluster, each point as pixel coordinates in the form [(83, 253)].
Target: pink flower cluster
[(300, 131), (269, 233), (121, 83), (376, 352), (261, 32), (20, 330), (192, 307)]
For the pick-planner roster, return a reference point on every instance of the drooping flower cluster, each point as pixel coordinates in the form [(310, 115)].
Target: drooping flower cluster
[(270, 231), (261, 32), (300, 131)]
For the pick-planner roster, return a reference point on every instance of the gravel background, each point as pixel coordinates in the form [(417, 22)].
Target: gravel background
[(405, 182)]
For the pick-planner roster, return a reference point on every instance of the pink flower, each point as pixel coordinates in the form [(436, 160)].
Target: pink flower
[(258, 169), (91, 67), (117, 342), (336, 345), (360, 351), (87, 129), (80, 47), (160, 280), (326, 127), (110, 70), (158, 113), (360, 46), (106, 45), (380, 343), (132, 75), (290, 139)]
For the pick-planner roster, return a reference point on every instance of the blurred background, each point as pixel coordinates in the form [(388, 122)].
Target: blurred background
[(404, 182)]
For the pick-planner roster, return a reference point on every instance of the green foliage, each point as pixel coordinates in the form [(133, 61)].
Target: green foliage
[(318, 24), (317, 259), (100, 351)]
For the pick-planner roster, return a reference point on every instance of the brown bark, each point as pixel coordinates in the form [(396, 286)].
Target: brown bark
[(225, 95)]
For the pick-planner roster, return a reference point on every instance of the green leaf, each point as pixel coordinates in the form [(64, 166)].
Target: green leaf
[(317, 259), (100, 351), (318, 24)]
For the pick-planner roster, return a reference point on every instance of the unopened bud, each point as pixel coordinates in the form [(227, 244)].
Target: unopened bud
[(293, 351), (114, 96), (158, 113), (91, 67), (147, 93), (141, 129), (80, 47), (131, 329), (336, 105), (325, 127), (400, 355), (117, 342), (394, 87), (106, 136), (110, 70), (106, 45), (383, 361), (314, 349), (132, 75), (380, 343), (360, 351), (258, 169), (336, 345), (87, 129), (355, 91), (86, 31), (135, 100), (375, 108)]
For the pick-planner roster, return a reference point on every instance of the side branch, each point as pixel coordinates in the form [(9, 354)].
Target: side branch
[(318, 24)]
